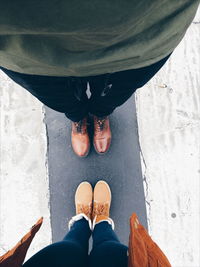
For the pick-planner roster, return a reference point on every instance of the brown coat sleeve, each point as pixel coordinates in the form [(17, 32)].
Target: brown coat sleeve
[(15, 257), (143, 251)]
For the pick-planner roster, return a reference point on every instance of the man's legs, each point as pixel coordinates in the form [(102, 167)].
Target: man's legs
[(107, 250), (63, 94), (72, 251), (109, 91)]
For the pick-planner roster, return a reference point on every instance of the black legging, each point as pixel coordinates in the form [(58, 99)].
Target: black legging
[(68, 94), (107, 250)]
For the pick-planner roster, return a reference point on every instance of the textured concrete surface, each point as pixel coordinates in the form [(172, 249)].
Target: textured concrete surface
[(168, 112), (24, 195), (168, 117), (120, 167)]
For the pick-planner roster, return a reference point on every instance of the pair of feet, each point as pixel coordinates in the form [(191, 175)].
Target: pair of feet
[(95, 204), (101, 138)]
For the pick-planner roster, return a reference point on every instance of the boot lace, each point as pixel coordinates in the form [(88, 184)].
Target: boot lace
[(79, 126), (100, 124), (100, 209), (86, 209)]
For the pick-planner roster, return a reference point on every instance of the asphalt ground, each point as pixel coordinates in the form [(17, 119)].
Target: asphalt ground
[(120, 167)]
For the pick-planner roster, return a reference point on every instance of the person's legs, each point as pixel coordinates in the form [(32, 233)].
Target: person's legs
[(72, 251), (107, 250), (79, 233), (63, 94), (109, 91)]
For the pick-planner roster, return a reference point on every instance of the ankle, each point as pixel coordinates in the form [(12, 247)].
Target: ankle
[(102, 218), (79, 217), (84, 209), (80, 126)]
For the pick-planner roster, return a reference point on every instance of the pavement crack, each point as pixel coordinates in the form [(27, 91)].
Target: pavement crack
[(146, 188), (47, 164), (47, 140), (144, 171)]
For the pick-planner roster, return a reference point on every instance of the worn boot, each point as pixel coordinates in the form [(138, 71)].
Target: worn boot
[(102, 134), (80, 138), (83, 203), (101, 204)]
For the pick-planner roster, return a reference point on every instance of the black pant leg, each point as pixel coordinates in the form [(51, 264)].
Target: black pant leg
[(63, 94), (107, 250), (80, 233), (71, 252), (112, 90)]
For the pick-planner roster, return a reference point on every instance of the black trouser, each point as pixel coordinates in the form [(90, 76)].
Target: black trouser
[(68, 94), (107, 251)]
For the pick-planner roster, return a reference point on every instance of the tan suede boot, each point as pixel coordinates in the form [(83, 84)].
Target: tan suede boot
[(80, 138), (101, 203), (102, 134), (83, 199), (83, 203)]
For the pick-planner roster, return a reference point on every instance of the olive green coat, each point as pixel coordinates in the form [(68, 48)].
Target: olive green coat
[(90, 37)]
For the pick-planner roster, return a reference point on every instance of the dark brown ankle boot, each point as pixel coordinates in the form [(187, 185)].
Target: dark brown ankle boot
[(79, 138), (102, 134)]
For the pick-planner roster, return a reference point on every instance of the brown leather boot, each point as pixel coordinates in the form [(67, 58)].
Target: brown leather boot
[(101, 203), (80, 139), (102, 134)]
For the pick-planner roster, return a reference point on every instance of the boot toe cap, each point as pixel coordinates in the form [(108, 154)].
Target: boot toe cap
[(102, 145), (81, 149)]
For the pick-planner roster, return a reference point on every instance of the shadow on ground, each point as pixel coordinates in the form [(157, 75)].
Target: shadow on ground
[(120, 167)]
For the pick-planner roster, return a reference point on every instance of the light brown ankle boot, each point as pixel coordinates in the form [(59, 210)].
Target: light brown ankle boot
[(83, 199), (80, 138), (101, 203), (102, 134), (83, 203)]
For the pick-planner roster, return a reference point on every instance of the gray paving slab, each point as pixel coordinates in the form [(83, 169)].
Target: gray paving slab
[(120, 167)]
